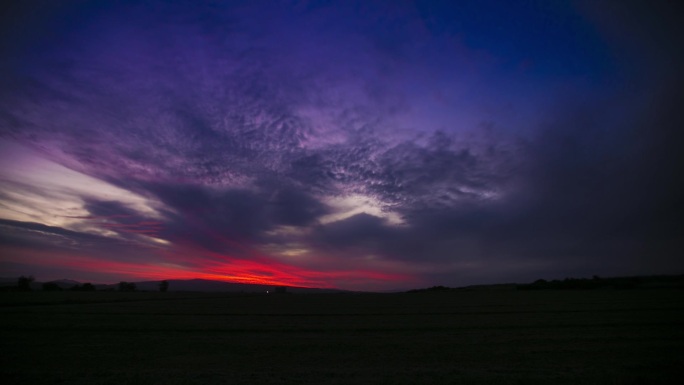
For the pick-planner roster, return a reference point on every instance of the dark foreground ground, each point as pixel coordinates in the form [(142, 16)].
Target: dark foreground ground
[(463, 337)]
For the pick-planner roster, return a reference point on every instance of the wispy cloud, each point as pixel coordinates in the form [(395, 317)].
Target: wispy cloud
[(336, 144)]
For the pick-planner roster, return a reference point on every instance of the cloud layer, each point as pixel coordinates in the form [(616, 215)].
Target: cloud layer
[(353, 145)]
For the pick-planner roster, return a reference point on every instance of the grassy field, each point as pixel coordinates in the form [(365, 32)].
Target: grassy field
[(456, 337)]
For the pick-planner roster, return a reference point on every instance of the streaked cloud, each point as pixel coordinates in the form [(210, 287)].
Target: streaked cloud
[(352, 144)]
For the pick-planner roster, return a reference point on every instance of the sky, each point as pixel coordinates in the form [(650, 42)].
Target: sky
[(362, 145)]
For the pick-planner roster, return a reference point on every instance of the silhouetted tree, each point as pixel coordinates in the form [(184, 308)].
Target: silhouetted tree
[(164, 286), (594, 283), (51, 286), (24, 283), (281, 290), (433, 288), (87, 287), (540, 284), (126, 286)]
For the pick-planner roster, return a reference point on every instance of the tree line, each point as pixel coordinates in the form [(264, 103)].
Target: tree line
[(25, 284), (596, 282)]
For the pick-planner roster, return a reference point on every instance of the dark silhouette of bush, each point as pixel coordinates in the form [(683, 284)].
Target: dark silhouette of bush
[(51, 286), (627, 282), (433, 288), (281, 290), (596, 282), (540, 284), (85, 287), (88, 287), (7, 289), (24, 283), (126, 286), (163, 286)]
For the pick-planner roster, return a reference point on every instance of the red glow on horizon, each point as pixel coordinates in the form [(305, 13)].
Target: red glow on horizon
[(207, 265), (184, 259)]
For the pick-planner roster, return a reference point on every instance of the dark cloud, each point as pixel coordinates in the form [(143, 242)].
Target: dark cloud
[(245, 123), (116, 217), (230, 220), (362, 232), (49, 238), (291, 207)]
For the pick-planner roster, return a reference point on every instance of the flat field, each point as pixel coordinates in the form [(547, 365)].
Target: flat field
[(454, 337)]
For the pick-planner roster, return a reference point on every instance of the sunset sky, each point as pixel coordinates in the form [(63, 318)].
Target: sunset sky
[(365, 145)]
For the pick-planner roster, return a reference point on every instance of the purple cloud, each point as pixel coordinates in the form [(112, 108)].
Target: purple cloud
[(403, 140)]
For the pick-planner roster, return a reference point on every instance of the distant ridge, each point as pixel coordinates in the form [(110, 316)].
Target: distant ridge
[(205, 285), (594, 283)]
